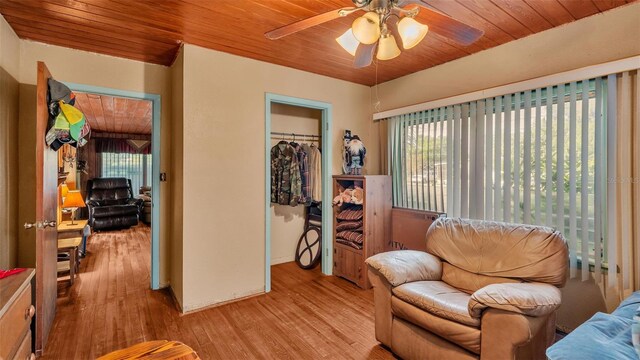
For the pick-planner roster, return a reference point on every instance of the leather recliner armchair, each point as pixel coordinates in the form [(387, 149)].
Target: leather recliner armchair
[(111, 204), (483, 290)]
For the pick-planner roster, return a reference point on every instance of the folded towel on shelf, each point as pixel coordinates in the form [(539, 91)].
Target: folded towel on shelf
[(349, 225), (351, 214), (352, 236)]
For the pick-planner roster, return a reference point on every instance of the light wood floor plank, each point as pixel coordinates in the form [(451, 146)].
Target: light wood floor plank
[(306, 315)]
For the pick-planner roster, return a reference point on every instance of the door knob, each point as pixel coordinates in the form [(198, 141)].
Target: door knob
[(48, 223), (28, 225), (40, 224)]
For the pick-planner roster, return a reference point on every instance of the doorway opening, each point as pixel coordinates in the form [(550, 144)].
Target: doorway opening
[(123, 156), (290, 116)]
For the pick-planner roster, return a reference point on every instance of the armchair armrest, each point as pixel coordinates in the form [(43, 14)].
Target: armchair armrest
[(136, 202), (403, 266), (93, 203), (531, 299)]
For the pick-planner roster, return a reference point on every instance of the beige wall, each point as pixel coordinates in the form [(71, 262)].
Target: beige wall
[(287, 222), (224, 164), (606, 37), (87, 68), (176, 181), (9, 89)]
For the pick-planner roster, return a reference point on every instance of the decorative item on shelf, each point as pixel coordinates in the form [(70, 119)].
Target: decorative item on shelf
[(383, 24), (355, 153), (73, 201), (354, 195)]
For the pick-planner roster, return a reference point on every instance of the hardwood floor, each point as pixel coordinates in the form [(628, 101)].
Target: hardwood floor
[(306, 315)]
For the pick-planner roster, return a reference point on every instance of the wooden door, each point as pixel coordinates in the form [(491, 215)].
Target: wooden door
[(46, 230)]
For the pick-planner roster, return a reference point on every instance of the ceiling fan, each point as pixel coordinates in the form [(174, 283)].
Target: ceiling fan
[(385, 21)]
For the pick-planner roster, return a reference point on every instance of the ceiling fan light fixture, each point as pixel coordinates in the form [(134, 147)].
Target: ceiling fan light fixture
[(348, 42), (387, 48), (366, 29), (411, 32)]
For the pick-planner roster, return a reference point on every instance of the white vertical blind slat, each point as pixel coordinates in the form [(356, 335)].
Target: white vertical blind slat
[(625, 151), (497, 157), (517, 155), (472, 160), (411, 137), (479, 155), (426, 203), (612, 232), (488, 182), (441, 160), (456, 159), (450, 145), (549, 157), (598, 181), (560, 158), (464, 161), (538, 158), (506, 215), (526, 176), (573, 236), (584, 182), (402, 163), (433, 168)]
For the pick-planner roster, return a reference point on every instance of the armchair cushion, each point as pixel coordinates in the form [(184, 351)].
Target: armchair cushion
[(114, 211), (531, 299), (403, 266), (438, 298)]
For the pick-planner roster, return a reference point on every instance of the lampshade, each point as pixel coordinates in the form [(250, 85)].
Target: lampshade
[(411, 32), (366, 29), (387, 48), (64, 189), (73, 200), (348, 42)]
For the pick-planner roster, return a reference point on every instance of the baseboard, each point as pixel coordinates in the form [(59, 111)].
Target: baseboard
[(252, 294)]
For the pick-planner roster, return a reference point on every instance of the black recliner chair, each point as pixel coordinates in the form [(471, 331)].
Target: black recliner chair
[(111, 204)]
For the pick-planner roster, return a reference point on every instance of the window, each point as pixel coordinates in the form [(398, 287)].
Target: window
[(535, 157), (136, 167)]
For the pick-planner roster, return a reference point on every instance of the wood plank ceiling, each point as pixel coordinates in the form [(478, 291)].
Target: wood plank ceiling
[(152, 31), (115, 114)]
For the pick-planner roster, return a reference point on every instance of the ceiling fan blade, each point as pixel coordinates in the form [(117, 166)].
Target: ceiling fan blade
[(364, 55), (445, 25), (392, 25), (307, 23)]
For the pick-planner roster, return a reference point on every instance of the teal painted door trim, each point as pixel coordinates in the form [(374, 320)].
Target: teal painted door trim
[(155, 165), (327, 224)]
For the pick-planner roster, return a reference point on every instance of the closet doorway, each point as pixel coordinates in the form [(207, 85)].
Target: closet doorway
[(284, 224)]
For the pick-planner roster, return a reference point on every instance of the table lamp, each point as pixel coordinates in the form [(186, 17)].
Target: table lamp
[(73, 201)]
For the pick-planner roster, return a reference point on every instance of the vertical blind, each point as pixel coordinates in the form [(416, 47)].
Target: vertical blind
[(535, 157), (136, 167)]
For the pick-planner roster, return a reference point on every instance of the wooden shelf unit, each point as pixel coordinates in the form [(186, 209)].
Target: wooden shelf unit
[(348, 262)]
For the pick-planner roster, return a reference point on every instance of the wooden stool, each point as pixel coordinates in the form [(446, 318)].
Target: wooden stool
[(159, 349)]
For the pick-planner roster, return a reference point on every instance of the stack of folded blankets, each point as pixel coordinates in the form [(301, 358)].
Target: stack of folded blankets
[(349, 227)]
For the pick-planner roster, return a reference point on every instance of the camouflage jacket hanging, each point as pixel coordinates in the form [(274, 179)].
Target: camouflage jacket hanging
[(286, 185)]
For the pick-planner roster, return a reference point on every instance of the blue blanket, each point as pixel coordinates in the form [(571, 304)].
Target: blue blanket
[(604, 336)]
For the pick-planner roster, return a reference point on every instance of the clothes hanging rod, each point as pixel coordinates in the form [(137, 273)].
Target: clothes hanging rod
[(296, 135)]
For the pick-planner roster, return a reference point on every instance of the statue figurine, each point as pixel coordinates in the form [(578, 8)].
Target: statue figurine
[(355, 155)]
